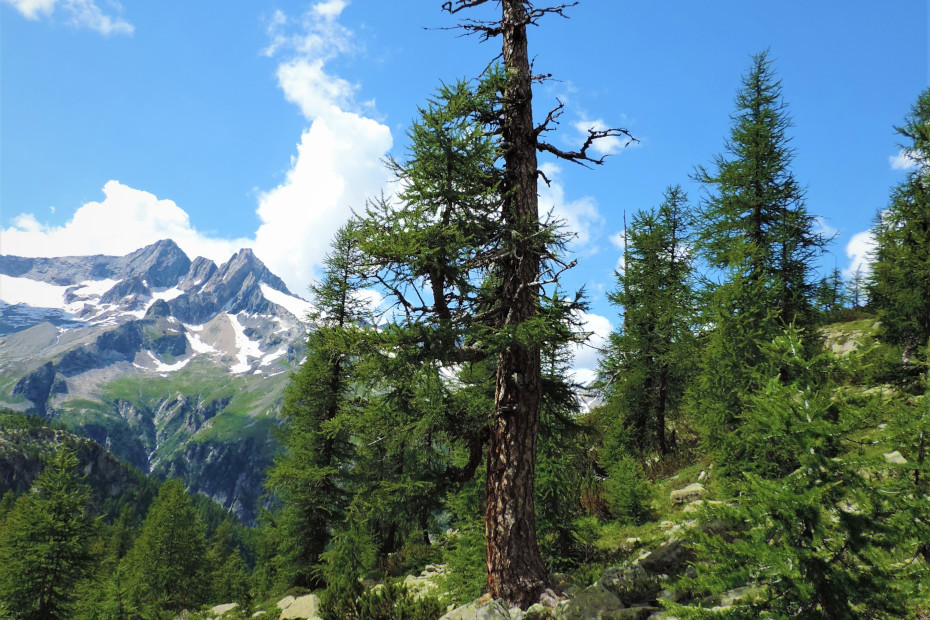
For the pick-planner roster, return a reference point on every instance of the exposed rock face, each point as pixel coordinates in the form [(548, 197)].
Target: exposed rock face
[(37, 385)]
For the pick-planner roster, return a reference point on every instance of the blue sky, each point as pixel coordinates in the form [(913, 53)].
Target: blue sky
[(262, 123)]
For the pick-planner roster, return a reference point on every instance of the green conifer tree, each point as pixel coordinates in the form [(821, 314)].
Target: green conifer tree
[(758, 239), (308, 475), (166, 566), (825, 530), (44, 543), (649, 359), (899, 286)]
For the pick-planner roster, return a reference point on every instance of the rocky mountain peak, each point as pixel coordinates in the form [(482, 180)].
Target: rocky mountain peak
[(160, 264)]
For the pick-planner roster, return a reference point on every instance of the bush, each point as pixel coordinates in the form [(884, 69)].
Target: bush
[(627, 492)]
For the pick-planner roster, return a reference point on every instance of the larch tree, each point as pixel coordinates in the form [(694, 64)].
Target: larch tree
[(758, 239), (899, 285), (647, 363), (166, 566), (516, 572), (308, 474)]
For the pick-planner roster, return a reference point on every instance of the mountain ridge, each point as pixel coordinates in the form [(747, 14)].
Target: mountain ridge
[(176, 365)]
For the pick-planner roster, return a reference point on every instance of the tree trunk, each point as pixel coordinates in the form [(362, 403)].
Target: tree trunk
[(516, 572)]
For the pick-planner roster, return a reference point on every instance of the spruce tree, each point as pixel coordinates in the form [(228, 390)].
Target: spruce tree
[(166, 567), (899, 286), (649, 358), (44, 543), (758, 240)]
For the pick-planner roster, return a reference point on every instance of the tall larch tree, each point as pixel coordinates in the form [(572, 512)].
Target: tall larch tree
[(899, 286), (516, 572), (648, 360), (759, 242), (308, 475)]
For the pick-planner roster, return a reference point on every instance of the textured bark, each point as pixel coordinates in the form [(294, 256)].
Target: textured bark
[(516, 572)]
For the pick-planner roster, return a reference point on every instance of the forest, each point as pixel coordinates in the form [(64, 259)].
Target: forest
[(765, 421)]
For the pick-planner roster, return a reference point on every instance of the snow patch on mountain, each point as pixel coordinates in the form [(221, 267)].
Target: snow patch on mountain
[(245, 348), (296, 306), (198, 345), (31, 293)]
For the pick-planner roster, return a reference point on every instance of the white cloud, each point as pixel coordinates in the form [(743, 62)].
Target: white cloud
[(581, 216), (337, 166), (80, 14), (30, 9), (618, 240), (859, 250), (902, 161), (125, 220), (587, 354), (86, 14)]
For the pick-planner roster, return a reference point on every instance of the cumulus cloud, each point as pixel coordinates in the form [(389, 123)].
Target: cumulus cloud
[(338, 161), (581, 216), (336, 167), (140, 217), (78, 13), (859, 250), (902, 161), (586, 354)]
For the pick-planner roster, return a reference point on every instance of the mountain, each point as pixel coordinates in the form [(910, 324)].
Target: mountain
[(177, 366)]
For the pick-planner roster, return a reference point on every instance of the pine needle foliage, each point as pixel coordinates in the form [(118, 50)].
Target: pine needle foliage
[(649, 359)]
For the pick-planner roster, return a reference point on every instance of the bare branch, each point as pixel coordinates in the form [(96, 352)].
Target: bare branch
[(533, 15), (453, 7), (581, 156), (552, 118), (544, 177)]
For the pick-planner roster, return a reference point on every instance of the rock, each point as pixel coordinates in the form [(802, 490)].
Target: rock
[(702, 475), (667, 559), (479, 610), (259, 613), (699, 504), (745, 594), (537, 611), (688, 494), (895, 458), (303, 607), (219, 610), (670, 595), (595, 602)]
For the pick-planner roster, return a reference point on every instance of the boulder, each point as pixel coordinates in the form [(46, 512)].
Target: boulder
[(667, 559), (303, 607), (481, 609), (688, 494), (219, 610), (595, 602), (895, 458)]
